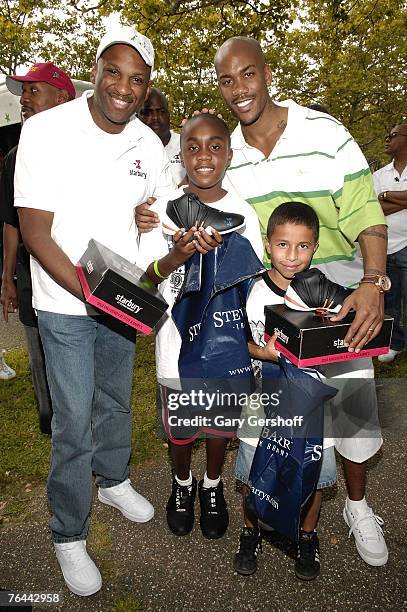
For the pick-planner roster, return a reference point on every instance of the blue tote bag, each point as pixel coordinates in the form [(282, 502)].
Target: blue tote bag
[(287, 461), (210, 314)]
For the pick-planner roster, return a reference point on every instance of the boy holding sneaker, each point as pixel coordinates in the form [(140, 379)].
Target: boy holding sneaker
[(292, 239), (206, 153)]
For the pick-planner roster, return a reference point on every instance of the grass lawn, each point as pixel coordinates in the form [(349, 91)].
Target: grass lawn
[(24, 451)]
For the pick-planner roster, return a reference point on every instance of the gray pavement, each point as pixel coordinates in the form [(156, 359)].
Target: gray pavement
[(11, 333), (144, 567)]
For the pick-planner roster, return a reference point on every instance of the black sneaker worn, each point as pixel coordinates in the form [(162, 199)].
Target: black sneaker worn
[(214, 513), (245, 562), (307, 565), (180, 508)]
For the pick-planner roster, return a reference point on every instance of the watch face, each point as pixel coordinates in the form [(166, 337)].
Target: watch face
[(384, 282)]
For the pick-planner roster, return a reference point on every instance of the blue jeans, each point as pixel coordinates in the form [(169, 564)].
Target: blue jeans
[(395, 301), (89, 371)]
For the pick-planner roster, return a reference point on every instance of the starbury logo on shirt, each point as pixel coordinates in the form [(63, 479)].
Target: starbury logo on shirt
[(137, 170)]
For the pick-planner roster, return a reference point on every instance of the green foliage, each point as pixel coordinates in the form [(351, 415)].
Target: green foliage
[(350, 57), (39, 30), (128, 604), (186, 35), (346, 54)]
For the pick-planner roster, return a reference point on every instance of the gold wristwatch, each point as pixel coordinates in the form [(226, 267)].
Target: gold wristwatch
[(381, 281)]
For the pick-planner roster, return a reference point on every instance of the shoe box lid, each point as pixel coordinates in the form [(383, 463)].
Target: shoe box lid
[(307, 339), (120, 288)]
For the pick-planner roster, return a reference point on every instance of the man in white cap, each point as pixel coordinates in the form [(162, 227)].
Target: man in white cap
[(81, 169)]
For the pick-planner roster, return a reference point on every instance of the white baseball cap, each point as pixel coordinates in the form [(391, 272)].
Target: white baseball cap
[(126, 35)]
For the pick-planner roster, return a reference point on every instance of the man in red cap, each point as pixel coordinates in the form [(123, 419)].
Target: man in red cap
[(43, 87)]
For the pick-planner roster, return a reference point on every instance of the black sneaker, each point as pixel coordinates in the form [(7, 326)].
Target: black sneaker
[(188, 210), (307, 566), (312, 290), (214, 513), (180, 508), (245, 562)]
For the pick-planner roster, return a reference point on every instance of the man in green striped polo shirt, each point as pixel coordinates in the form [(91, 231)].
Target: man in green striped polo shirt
[(282, 152)]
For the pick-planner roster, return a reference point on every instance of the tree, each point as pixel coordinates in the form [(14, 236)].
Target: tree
[(39, 30), (349, 55), (346, 54), (186, 35)]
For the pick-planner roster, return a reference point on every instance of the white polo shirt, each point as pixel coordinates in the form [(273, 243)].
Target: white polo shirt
[(92, 181), (173, 148), (315, 161), (389, 179)]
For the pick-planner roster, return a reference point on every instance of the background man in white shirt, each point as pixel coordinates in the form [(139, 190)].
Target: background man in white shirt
[(391, 188), (155, 114)]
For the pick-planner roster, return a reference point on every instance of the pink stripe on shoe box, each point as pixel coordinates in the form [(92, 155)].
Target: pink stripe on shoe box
[(108, 308), (334, 358)]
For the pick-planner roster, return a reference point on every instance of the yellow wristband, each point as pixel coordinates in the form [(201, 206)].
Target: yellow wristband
[(157, 271)]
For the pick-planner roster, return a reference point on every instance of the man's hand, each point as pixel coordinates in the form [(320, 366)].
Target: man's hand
[(205, 242), (8, 297), (389, 208), (146, 219), (368, 303), (203, 111)]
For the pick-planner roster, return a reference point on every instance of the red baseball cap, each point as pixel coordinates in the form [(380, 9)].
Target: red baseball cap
[(41, 73)]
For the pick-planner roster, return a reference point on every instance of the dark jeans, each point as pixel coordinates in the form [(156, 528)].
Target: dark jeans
[(39, 376)]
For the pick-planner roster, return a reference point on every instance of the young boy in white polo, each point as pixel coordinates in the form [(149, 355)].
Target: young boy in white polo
[(206, 153)]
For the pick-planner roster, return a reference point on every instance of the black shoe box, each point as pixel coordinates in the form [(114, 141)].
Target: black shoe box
[(307, 339), (120, 288)]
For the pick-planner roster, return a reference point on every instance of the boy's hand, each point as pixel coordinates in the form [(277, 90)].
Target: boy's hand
[(205, 241), (146, 219), (184, 246), (269, 351)]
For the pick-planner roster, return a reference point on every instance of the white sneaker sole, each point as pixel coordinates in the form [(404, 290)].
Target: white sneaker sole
[(132, 517), (84, 592), (387, 359), (170, 231), (374, 561)]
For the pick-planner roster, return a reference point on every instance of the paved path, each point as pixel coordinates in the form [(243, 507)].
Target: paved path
[(11, 333)]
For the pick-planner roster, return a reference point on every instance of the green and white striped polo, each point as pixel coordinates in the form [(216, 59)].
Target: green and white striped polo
[(315, 161)]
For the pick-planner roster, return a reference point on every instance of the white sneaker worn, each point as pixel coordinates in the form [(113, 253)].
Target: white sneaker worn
[(389, 357), (367, 530), (131, 504), (81, 575)]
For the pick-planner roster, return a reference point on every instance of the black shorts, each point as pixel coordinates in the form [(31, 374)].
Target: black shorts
[(184, 421)]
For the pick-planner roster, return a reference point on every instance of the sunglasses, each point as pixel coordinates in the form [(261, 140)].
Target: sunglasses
[(394, 134)]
